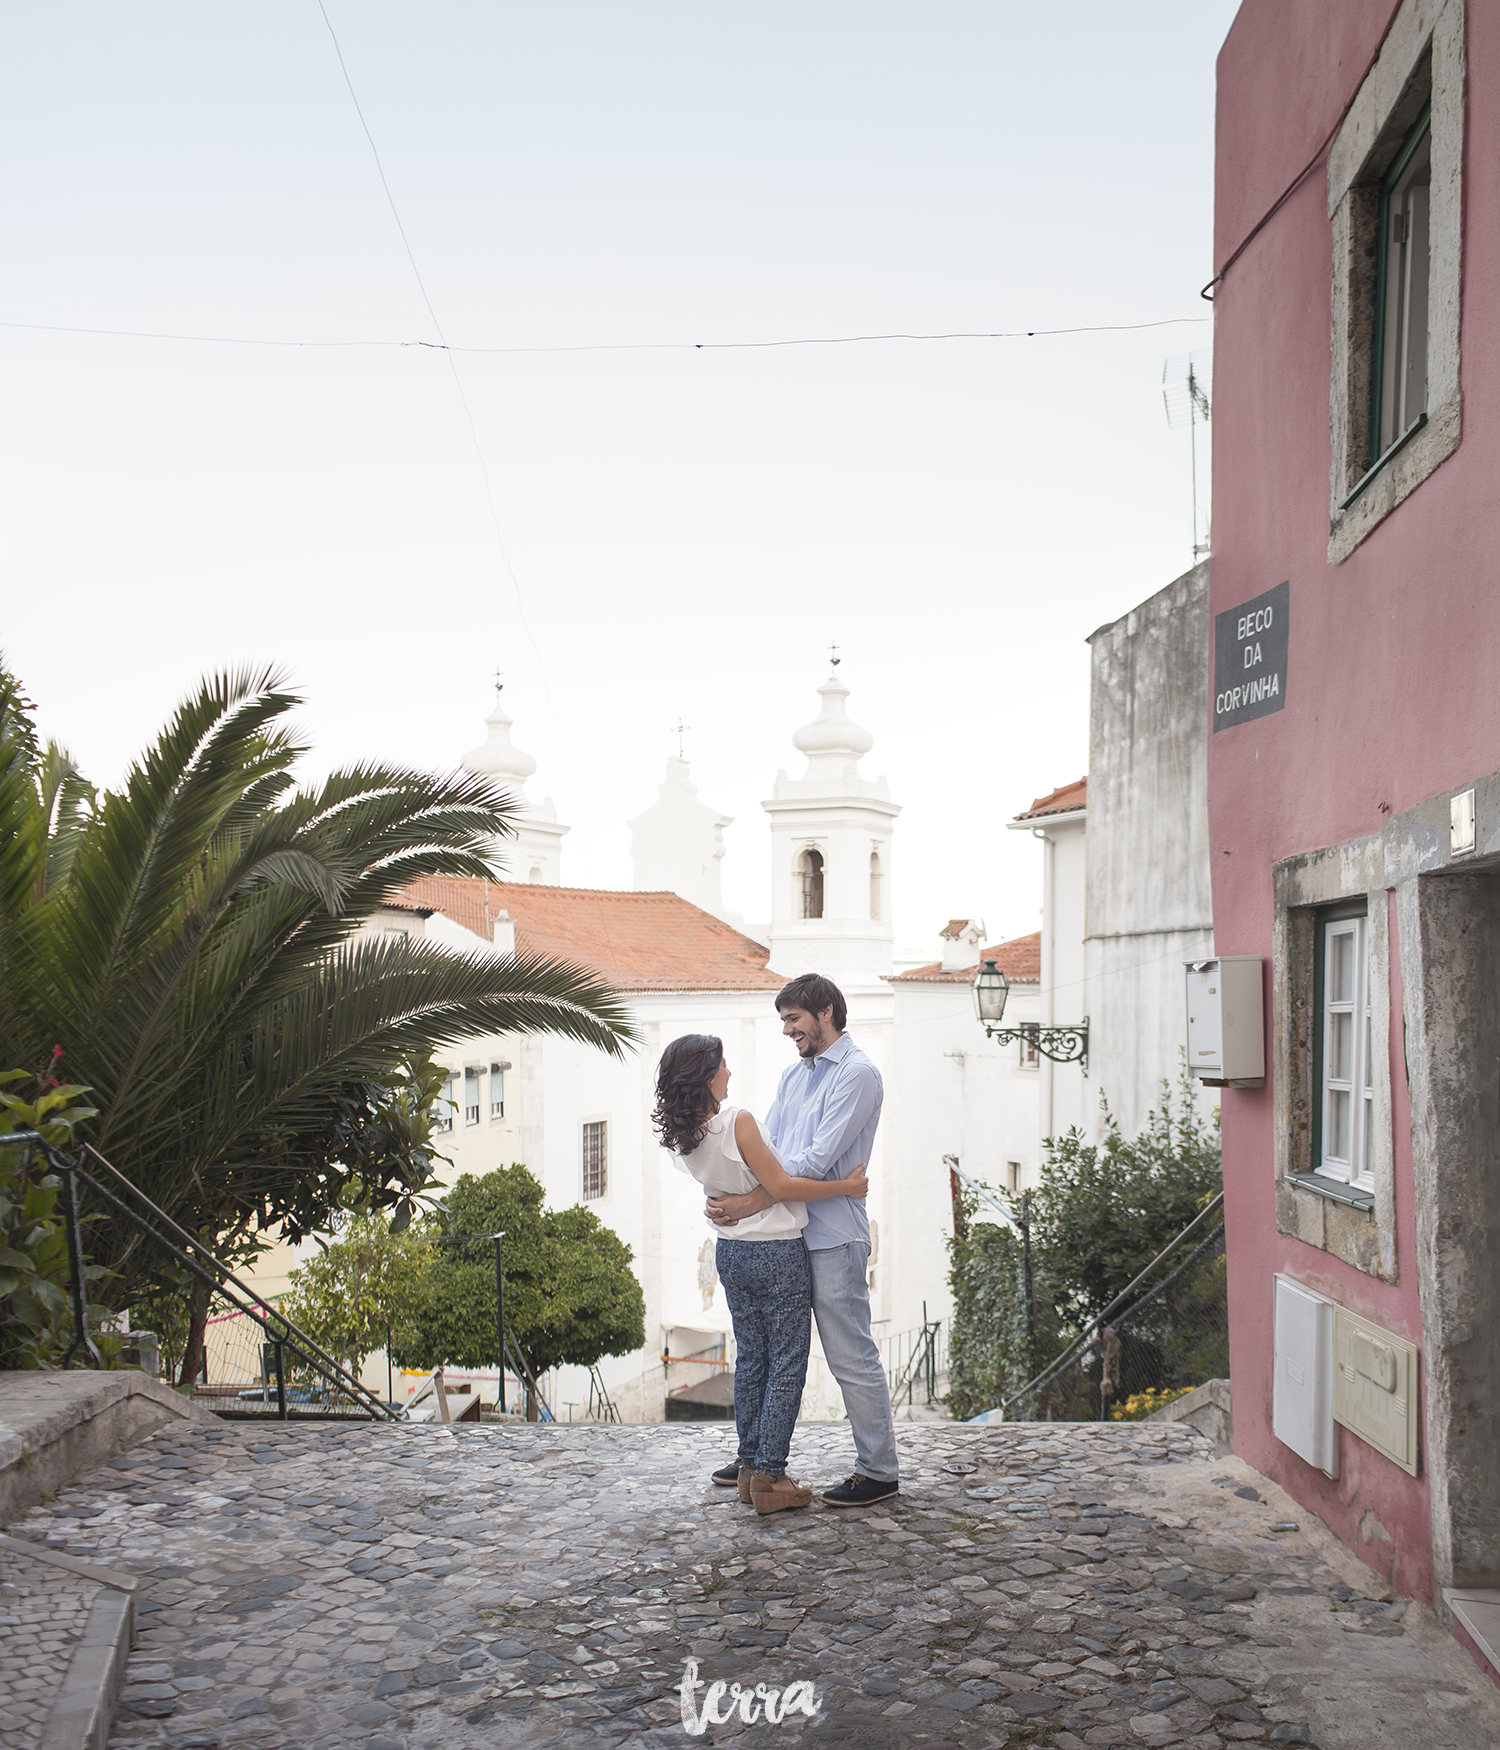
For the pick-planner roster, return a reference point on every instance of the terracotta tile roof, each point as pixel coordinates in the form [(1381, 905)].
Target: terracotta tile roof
[(1066, 799), (1019, 959), (955, 927), (634, 941)]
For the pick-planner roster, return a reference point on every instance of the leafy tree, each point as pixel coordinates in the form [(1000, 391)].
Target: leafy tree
[(194, 943), (987, 1344), (362, 1284), (1099, 1216), (570, 1294)]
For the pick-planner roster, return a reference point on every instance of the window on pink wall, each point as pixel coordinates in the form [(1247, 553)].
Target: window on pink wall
[(1343, 1061)]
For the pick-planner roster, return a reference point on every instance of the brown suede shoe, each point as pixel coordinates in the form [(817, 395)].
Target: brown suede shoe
[(747, 1477), (777, 1494)]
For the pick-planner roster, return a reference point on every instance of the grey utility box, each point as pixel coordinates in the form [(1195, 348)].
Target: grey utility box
[(1226, 1021)]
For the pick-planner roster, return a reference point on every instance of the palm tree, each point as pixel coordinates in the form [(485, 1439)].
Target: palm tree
[(193, 943)]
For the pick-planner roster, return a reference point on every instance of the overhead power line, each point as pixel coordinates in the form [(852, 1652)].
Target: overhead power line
[(610, 346), (441, 344)]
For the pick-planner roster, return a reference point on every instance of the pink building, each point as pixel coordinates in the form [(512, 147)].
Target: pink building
[(1354, 769)]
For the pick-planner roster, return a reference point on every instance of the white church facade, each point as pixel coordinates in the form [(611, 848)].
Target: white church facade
[(581, 1121)]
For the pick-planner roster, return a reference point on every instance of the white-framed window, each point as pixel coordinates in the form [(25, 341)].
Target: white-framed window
[(595, 1159), (471, 1093), (875, 893), (1012, 1176), (1027, 1048), (1346, 1094), (497, 1090)]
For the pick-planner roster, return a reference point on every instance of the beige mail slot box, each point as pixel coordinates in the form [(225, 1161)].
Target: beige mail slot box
[(1375, 1387)]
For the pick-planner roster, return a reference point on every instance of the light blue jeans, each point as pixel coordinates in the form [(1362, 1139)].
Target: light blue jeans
[(841, 1305)]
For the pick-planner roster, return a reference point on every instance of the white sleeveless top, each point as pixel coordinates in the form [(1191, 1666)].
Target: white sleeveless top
[(717, 1165)]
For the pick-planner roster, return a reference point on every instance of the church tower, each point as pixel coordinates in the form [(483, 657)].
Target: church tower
[(831, 853), (535, 853), (677, 845)]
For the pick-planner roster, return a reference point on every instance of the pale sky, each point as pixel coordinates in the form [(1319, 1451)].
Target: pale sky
[(684, 530)]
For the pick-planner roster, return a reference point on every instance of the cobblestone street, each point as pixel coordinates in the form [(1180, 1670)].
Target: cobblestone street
[(400, 1588)]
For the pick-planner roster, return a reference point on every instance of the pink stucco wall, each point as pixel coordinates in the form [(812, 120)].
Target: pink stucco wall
[(1393, 690)]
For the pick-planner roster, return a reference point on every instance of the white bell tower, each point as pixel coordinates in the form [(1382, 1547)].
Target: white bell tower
[(677, 844), (831, 853), (535, 853)]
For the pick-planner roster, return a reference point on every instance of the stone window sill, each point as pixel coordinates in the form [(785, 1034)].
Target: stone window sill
[(1335, 1190)]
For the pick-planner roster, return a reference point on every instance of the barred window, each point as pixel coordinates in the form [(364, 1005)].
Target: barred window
[(595, 1159)]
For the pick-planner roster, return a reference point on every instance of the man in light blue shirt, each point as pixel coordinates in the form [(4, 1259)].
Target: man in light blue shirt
[(822, 1125)]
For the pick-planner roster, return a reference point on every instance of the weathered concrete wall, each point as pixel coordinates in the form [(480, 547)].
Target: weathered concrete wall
[(1453, 1044), (55, 1426), (1208, 1408), (1149, 905)]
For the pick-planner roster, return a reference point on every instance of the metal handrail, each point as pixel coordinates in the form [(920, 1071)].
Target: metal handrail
[(223, 1281), (228, 1286), (521, 1367), (923, 1358), (599, 1396), (1092, 1329)]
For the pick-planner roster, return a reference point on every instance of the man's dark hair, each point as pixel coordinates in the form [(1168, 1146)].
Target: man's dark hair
[(813, 992)]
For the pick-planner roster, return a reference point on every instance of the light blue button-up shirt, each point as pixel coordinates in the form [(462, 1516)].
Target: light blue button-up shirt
[(822, 1125)]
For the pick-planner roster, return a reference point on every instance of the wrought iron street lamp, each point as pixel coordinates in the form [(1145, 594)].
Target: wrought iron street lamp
[(1061, 1044)]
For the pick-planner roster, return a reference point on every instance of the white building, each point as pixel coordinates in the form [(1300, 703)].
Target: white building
[(1060, 820), (1125, 877), (1148, 908), (957, 1101), (677, 844)]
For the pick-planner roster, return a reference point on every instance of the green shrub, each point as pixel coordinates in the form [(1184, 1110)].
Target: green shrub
[(1099, 1216), (36, 1325)]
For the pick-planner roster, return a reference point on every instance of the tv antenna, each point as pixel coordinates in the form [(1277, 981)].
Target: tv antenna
[(1185, 382)]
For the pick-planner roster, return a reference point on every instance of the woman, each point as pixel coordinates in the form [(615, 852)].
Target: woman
[(764, 1268)]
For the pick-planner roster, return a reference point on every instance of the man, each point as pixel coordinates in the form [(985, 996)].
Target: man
[(822, 1125)]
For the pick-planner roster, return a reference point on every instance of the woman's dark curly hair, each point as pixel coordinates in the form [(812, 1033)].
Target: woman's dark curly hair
[(683, 1103)]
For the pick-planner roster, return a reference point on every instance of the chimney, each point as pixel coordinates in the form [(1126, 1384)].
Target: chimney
[(961, 938), (505, 935)]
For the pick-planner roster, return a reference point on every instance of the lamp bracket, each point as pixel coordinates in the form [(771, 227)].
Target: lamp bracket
[(1061, 1044)]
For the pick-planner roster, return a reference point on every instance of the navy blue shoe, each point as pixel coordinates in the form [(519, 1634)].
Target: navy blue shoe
[(860, 1491), (729, 1477)]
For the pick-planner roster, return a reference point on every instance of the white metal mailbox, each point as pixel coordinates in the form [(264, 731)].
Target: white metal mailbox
[(1225, 1020), (1302, 1392)]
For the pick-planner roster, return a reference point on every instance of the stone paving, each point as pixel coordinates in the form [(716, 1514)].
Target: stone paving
[(43, 1611), (419, 1588)]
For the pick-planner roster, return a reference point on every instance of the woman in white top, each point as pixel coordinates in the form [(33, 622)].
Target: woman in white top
[(764, 1269)]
